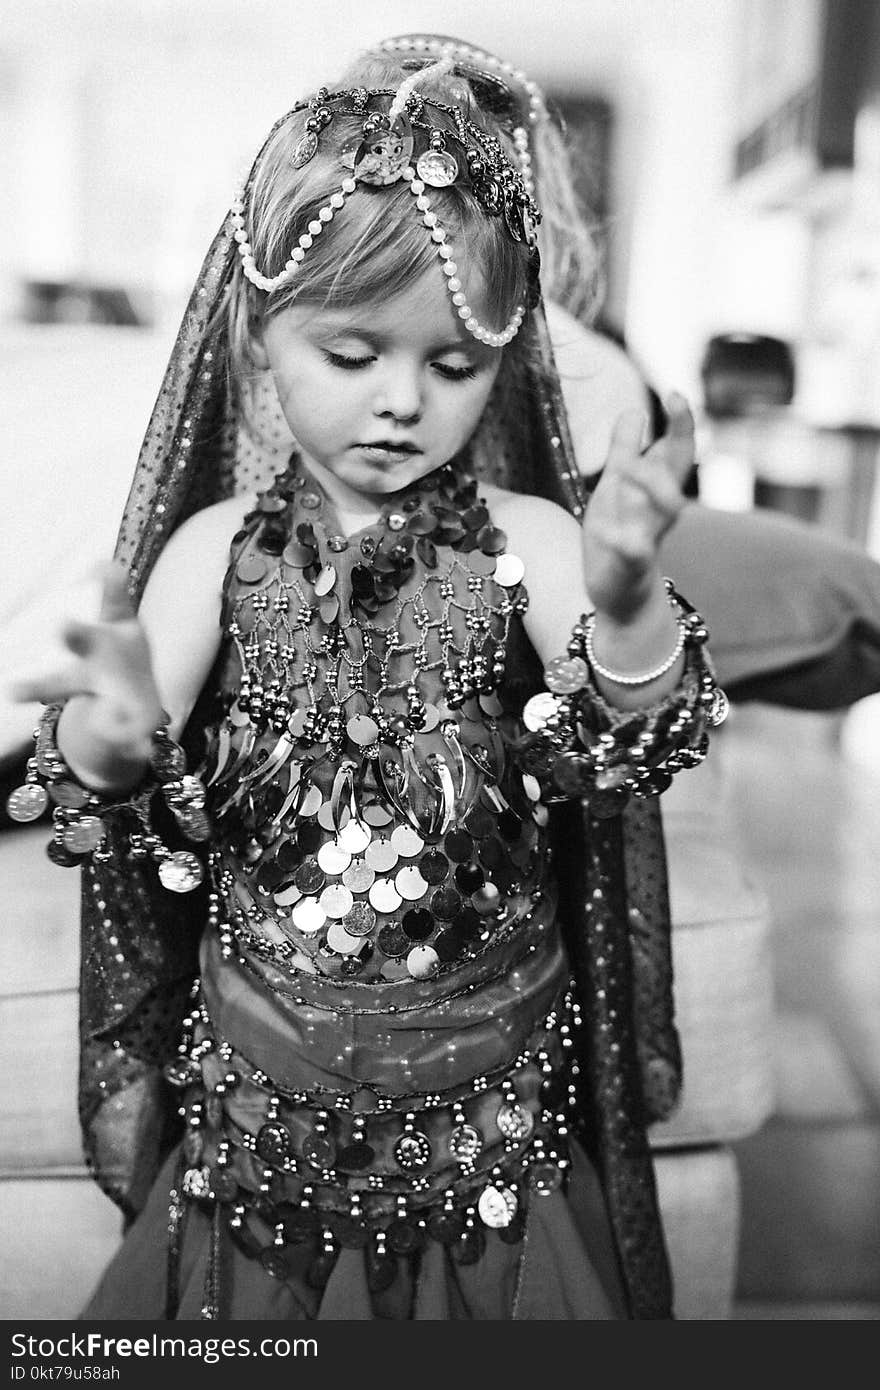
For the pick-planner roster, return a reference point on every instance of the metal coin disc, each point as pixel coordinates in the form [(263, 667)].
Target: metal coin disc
[(381, 855), (376, 815), (354, 836), (566, 674), (181, 872), (509, 571), (362, 730), (465, 1143), (434, 867), (422, 962), (539, 710), (27, 802), (445, 903), (251, 569), (69, 794), (336, 900), (332, 858), (359, 877), (486, 899), (407, 842), (410, 884), (437, 168), (719, 709), (338, 940), (384, 895), (497, 1206), (308, 917), (85, 834), (325, 581), (359, 920), (418, 924), (310, 877), (393, 942), (515, 1122)]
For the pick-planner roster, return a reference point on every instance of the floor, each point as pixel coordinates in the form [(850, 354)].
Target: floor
[(807, 797)]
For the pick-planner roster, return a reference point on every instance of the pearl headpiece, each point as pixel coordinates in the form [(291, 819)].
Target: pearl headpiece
[(386, 156)]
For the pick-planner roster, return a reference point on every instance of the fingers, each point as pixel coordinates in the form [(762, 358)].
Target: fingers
[(116, 604), (678, 442), (626, 438), (49, 687)]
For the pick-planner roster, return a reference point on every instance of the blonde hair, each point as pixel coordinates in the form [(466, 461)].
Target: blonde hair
[(377, 246)]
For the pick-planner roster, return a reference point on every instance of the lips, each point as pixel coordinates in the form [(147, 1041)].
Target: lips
[(387, 446)]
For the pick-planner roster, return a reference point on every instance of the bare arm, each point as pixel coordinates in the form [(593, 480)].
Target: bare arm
[(128, 667)]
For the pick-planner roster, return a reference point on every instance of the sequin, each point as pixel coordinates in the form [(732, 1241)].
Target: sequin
[(458, 845), (486, 899), (325, 581), (539, 710), (445, 903), (319, 1150)]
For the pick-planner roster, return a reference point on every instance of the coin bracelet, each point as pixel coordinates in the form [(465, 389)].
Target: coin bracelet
[(577, 744), (80, 815)]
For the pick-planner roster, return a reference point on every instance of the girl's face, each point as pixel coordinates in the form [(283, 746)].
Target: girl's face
[(380, 395)]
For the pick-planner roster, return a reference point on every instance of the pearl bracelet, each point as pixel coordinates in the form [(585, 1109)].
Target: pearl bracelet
[(643, 678)]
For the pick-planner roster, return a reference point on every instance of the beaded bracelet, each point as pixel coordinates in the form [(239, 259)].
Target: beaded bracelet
[(80, 814), (577, 744)]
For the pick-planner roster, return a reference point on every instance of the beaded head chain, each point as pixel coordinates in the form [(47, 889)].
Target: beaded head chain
[(403, 139)]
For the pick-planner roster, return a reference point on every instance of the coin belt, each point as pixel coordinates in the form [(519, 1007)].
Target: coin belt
[(362, 1170)]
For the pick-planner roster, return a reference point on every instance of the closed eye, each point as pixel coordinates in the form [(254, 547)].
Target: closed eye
[(347, 364), (454, 373)]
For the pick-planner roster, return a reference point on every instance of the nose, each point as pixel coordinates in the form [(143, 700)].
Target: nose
[(399, 393)]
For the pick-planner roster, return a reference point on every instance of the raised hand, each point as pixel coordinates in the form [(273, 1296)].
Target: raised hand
[(636, 501), (111, 671)]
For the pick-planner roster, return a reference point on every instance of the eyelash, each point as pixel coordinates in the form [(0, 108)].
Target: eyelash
[(355, 364)]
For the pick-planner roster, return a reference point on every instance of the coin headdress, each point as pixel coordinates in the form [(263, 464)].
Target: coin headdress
[(139, 948)]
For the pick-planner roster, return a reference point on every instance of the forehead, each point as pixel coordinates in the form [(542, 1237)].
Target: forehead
[(421, 313)]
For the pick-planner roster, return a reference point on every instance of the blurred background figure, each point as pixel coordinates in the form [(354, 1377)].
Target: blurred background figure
[(729, 152)]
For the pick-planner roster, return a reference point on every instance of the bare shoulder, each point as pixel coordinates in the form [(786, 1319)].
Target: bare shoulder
[(529, 521), (209, 530)]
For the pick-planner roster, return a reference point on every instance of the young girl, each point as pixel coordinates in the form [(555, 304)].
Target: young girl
[(424, 881)]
